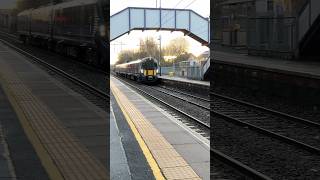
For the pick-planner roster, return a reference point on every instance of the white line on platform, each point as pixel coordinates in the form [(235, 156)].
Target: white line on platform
[(196, 135)]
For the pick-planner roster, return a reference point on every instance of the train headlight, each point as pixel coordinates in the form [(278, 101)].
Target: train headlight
[(157, 70), (102, 30), (141, 70)]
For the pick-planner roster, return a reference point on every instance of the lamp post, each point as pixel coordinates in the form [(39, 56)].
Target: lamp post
[(160, 53), (160, 43)]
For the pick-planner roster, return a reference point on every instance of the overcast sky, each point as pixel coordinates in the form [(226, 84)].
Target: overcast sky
[(7, 4), (131, 41)]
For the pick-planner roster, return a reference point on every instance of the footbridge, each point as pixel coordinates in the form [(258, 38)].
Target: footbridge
[(184, 20)]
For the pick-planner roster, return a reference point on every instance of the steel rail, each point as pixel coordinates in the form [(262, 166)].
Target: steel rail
[(187, 94), (71, 78), (274, 112), (238, 166), (86, 65), (167, 104), (186, 100), (268, 133)]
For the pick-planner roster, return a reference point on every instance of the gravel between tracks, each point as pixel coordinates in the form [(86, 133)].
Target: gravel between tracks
[(304, 133), (271, 102), (269, 156)]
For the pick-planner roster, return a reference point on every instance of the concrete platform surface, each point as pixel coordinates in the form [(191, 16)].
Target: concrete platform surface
[(298, 68), (178, 151), (118, 160), (68, 132), (131, 159), (185, 80)]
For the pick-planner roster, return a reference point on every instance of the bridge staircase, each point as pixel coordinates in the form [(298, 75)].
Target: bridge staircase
[(309, 30)]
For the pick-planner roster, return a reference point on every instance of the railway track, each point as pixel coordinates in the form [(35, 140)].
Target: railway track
[(196, 120), (189, 98), (14, 39), (243, 171), (292, 130), (187, 94), (239, 167), (98, 93), (292, 134)]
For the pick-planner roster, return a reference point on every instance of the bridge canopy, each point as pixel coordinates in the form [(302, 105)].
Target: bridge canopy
[(136, 18)]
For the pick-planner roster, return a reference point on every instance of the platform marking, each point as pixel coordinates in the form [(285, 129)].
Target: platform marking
[(151, 161), (175, 120), (60, 152), (161, 156), (41, 151)]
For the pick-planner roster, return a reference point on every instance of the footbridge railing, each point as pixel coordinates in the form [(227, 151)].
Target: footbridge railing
[(136, 18)]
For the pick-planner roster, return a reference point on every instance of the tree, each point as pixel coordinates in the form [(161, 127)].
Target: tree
[(126, 56), (148, 47), (184, 57), (177, 46)]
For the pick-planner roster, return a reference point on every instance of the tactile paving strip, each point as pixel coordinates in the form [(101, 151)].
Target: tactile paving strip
[(172, 165), (71, 158)]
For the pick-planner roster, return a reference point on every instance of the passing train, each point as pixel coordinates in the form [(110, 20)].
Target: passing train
[(76, 28), (142, 70)]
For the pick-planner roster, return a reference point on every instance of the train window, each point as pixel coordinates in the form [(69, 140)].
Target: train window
[(149, 64)]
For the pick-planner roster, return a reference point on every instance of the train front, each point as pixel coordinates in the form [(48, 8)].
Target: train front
[(149, 70)]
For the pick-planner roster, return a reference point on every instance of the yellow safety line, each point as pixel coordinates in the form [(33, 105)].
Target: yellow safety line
[(151, 161), (41, 151)]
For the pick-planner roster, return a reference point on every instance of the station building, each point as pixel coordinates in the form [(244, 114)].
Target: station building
[(238, 22)]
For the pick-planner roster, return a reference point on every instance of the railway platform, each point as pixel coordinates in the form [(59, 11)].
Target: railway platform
[(15, 148), (284, 78), (297, 68), (165, 147), (51, 132), (188, 84)]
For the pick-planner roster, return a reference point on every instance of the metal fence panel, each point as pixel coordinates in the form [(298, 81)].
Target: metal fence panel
[(184, 70)]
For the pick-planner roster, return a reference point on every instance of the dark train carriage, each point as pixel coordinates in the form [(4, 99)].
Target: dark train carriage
[(76, 28), (143, 70), (76, 21), (24, 24), (41, 22)]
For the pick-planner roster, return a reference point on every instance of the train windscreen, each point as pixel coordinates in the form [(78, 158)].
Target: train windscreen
[(149, 64)]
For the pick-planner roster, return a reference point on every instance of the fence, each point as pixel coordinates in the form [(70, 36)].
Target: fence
[(185, 70)]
